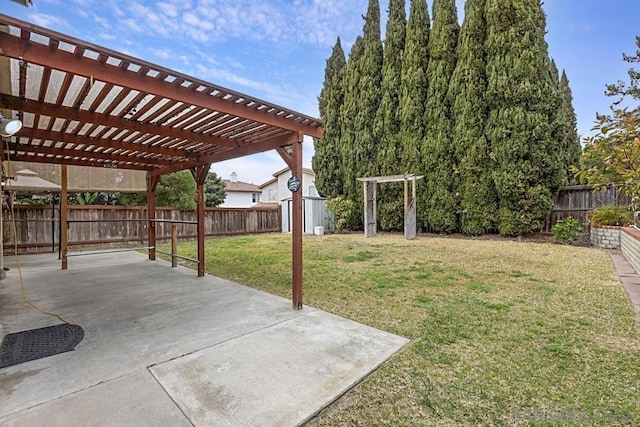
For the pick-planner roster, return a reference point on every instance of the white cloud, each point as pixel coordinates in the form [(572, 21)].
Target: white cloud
[(168, 9), (105, 36), (162, 53), (48, 21), (315, 22)]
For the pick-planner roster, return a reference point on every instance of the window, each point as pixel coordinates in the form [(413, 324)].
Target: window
[(312, 191), (273, 194), (256, 197)]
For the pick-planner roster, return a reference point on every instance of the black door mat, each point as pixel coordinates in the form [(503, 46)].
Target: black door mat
[(35, 344)]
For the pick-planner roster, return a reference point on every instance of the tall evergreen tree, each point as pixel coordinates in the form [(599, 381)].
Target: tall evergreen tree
[(364, 146), (560, 127), (413, 94), (522, 98), (437, 148), (387, 126), (326, 161), (572, 149), (478, 197), (554, 70), (348, 110)]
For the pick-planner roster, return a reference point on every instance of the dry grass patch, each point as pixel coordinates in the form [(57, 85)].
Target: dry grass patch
[(502, 332)]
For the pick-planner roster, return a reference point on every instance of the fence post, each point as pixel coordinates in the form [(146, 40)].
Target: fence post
[(174, 244)]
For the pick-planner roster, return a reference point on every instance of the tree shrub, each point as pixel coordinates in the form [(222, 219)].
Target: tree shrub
[(567, 230), (342, 209), (391, 216), (610, 215)]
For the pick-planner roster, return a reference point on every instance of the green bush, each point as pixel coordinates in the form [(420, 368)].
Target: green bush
[(342, 209), (567, 230), (391, 216), (610, 215)]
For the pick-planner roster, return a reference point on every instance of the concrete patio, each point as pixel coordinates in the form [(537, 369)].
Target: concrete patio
[(164, 347)]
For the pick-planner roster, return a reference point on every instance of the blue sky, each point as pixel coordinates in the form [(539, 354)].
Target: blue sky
[(276, 49)]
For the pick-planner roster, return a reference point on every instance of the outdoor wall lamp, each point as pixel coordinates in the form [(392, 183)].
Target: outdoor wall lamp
[(9, 127)]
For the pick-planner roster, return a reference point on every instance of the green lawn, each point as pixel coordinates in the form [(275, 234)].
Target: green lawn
[(502, 332)]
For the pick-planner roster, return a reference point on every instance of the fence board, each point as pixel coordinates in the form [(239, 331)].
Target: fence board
[(104, 225), (577, 200)]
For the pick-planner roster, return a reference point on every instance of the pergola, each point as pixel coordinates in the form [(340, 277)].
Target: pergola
[(86, 105)]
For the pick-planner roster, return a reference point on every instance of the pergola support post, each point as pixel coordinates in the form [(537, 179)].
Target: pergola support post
[(64, 215), (200, 175), (294, 161), (152, 183), (296, 170)]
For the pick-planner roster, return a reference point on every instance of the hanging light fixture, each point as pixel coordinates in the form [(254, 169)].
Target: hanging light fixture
[(9, 127)]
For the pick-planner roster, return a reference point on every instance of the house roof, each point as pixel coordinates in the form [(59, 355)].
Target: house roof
[(304, 170), (240, 187), (280, 172), (82, 104), (271, 181)]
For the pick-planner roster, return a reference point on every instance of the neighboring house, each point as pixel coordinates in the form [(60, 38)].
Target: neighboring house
[(240, 194), (275, 192)]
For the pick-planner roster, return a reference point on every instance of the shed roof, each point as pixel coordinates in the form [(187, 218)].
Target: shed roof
[(82, 104), (28, 180)]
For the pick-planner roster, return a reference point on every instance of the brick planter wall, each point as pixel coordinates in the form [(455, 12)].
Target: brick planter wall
[(630, 245), (605, 237)]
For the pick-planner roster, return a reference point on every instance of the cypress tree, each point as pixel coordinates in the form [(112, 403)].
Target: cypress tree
[(437, 149), (367, 100), (387, 127), (478, 197), (571, 144), (348, 110), (326, 161), (523, 100), (413, 94), (554, 71), (560, 127)]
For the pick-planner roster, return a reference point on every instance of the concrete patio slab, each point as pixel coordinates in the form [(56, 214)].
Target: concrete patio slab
[(129, 401), (277, 376), (138, 313)]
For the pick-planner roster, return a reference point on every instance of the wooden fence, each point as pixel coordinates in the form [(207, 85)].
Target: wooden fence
[(577, 200), (38, 230)]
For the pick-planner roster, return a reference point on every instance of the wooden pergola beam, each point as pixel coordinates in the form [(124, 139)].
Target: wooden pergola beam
[(105, 143), (254, 148), (76, 63), (107, 120), (88, 155), (75, 162)]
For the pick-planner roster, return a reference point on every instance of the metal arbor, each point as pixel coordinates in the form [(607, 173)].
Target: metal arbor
[(371, 204)]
